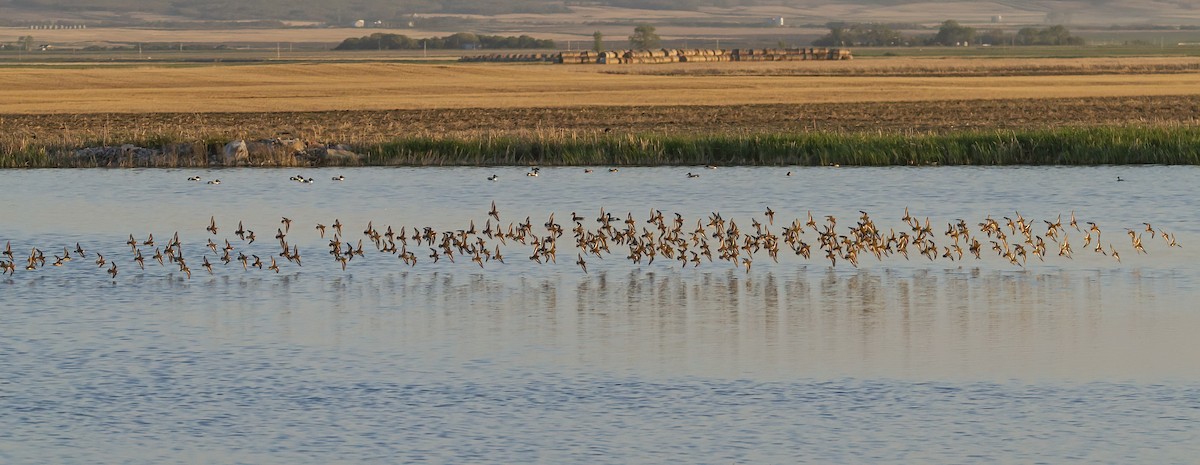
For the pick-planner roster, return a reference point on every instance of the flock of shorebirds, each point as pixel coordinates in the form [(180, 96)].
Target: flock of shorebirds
[(660, 237), (536, 171), (296, 178)]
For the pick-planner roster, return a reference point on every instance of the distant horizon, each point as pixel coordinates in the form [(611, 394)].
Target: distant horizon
[(554, 13)]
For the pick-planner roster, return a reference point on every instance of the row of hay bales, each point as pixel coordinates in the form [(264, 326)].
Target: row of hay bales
[(791, 54), (513, 58), (669, 56), (640, 56), (578, 58), (702, 55)]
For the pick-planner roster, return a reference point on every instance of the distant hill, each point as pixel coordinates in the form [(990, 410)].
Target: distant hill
[(1089, 12)]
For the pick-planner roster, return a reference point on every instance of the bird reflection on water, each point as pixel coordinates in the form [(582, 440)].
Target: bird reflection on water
[(924, 323)]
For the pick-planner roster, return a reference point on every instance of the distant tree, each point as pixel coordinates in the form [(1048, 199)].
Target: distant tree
[(1053, 35), (1059, 35), (383, 41), (644, 38), (597, 42), (952, 33), (462, 40), (995, 37), (835, 37), (26, 43), (873, 34), (1027, 36)]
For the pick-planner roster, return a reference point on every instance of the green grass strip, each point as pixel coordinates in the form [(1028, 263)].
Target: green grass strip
[(1070, 146), (1171, 145)]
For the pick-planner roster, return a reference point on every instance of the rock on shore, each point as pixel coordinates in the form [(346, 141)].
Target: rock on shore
[(262, 152)]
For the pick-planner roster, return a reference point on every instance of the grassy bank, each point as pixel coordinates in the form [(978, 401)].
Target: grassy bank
[(1176, 145), (1068, 146)]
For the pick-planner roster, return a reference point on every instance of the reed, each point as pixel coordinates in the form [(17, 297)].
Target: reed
[(1064, 146), (1107, 145)]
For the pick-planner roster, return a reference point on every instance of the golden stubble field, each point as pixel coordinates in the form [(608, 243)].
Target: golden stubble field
[(379, 86)]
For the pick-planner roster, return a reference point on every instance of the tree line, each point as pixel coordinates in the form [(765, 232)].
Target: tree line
[(342, 12), (461, 40), (23, 43), (949, 33)]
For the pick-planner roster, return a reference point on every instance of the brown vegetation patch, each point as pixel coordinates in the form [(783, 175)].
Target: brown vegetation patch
[(367, 127)]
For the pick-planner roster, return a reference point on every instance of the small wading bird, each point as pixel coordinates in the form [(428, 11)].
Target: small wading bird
[(1136, 240), (657, 238)]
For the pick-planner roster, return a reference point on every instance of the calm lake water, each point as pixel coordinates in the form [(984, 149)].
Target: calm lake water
[(1082, 360)]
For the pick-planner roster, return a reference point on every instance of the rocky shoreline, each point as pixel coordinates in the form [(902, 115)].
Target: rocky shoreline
[(263, 152)]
